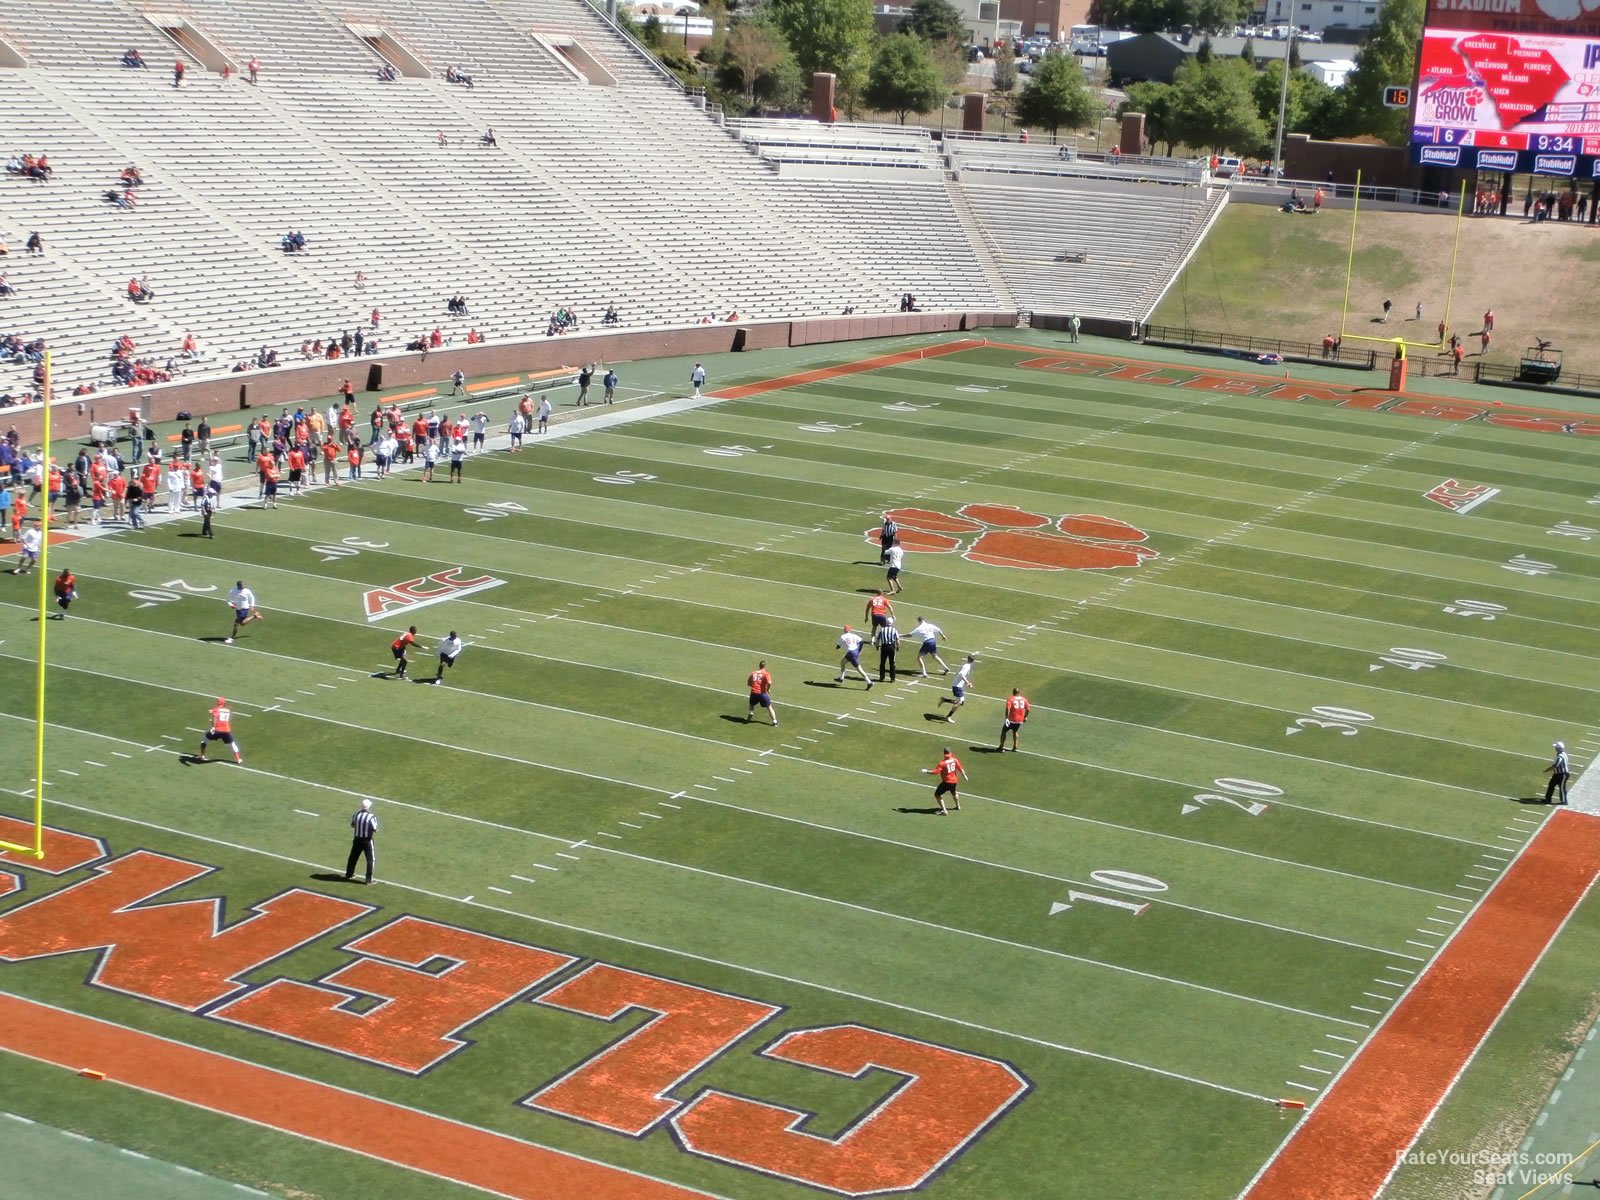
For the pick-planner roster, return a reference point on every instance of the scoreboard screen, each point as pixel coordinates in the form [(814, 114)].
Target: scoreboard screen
[(1504, 89)]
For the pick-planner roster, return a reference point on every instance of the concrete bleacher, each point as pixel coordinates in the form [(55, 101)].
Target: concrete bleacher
[(1033, 162), (628, 193), (913, 225), (794, 143), (1097, 253)]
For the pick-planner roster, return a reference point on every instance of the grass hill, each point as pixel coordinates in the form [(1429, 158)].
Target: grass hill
[(1264, 272)]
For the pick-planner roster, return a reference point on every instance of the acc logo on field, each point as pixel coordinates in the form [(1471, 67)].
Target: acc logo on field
[(423, 591), (1461, 497)]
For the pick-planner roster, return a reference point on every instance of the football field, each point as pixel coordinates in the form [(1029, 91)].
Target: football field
[(1266, 888)]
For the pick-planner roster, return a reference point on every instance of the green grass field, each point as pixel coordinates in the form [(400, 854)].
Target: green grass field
[(1267, 772)]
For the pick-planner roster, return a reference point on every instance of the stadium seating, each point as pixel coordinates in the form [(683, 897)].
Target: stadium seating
[(630, 193), (1103, 254)]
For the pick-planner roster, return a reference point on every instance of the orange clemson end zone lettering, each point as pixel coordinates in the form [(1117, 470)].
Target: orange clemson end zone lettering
[(1001, 535)]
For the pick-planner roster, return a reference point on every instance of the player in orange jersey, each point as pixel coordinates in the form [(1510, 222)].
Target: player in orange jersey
[(221, 731), (1016, 714), (949, 770), (399, 648), (760, 682)]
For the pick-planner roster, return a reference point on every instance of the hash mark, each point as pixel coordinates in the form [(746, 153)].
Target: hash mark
[(304, 813), (525, 879), (630, 824), (501, 890)]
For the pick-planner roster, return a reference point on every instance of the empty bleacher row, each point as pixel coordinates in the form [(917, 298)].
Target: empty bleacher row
[(1094, 253)]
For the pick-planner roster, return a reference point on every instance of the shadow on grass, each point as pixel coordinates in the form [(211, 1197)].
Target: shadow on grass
[(1527, 799), (935, 716), (918, 812), (218, 639)]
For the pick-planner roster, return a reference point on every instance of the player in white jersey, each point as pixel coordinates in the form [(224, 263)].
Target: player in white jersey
[(926, 632), (958, 687), (850, 643), (243, 602), (449, 650)]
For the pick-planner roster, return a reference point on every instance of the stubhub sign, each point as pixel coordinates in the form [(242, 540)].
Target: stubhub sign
[(1555, 164), (1497, 160), (1442, 156)]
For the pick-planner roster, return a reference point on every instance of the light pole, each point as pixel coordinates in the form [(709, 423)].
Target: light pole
[(1283, 105)]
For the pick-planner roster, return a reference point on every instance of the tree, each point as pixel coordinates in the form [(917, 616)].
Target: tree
[(1204, 52), (755, 48), (1247, 52), (903, 78), (829, 35), (1005, 70), (1294, 54), (1057, 96), (1213, 105), (1387, 59), (1307, 105), (935, 21), (1154, 100)]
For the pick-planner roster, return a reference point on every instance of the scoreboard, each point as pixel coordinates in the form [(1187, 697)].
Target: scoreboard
[(1504, 86)]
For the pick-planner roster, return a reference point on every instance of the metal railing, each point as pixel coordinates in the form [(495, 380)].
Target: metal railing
[(1307, 188), (1508, 375), (1242, 345)]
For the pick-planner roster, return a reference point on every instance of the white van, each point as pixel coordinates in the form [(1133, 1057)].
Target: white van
[(1226, 167)]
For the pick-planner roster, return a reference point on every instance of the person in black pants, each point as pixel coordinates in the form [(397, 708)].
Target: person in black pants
[(887, 638), (365, 827), (1558, 772)]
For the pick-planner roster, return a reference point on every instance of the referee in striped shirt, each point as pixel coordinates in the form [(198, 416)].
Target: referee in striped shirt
[(887, 639), (365, 827)]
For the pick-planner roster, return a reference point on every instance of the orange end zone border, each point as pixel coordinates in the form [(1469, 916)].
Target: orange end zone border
[(819, 374), (1354, 1136), (318, 1112)]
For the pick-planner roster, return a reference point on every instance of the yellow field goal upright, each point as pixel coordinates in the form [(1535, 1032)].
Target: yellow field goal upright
[(43, 571), (1437, 343)]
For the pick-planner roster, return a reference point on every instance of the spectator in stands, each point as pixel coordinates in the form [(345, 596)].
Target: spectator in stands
[(139, 290), (611, 317), (132, 58), (35, 243), (14, 165), (37, 168), (436, 338), (386, 73), (375, 317), (359, 339), (347, 343), (443, 141), (5, 288), (190, 348), (227, 71), (178, 69), (131, 177), (254, 68)]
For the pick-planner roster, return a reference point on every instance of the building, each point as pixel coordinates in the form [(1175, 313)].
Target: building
[(1054, 17), (1157, 56), (1319, 15), (979, 18)]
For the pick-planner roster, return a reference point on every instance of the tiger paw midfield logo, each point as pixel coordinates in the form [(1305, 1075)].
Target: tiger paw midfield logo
[(1000, 535)]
